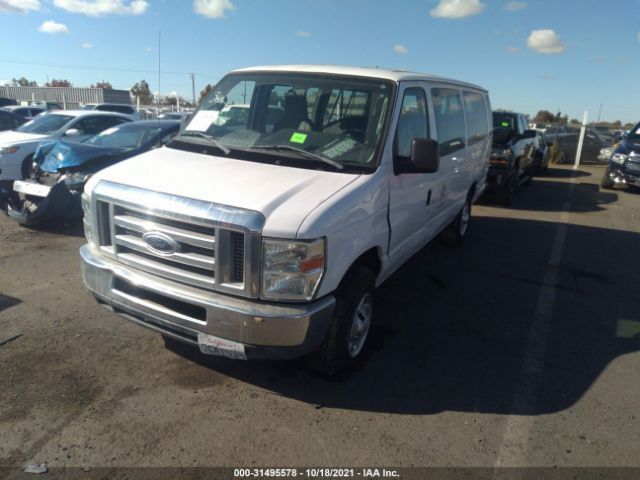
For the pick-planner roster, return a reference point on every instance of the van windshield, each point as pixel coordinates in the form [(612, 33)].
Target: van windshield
[(316, 119)]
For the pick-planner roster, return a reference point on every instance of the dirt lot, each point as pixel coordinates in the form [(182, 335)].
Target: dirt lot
[(521, 347)]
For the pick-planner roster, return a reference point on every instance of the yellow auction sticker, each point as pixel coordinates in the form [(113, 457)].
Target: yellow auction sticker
[(298, 138)]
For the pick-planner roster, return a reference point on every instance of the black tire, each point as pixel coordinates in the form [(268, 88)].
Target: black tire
[(334, 354), (606, 182), (506, 193), (455, 233), (27, 167)]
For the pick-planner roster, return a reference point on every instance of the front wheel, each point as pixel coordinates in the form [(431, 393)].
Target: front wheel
[(606, 182), (347, 336)]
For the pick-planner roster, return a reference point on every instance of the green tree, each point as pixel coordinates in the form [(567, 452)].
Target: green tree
[(104, 85), (206, 91), (141, 90), (544, 116), (58, 83), (23, 82)]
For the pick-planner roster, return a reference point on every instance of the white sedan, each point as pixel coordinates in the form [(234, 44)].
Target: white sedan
[(18, 146)]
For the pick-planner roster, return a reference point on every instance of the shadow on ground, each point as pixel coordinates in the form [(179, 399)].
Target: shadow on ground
[(452, 326)]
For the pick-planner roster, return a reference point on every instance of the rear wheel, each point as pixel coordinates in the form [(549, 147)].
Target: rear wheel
[(457, 230), (346, 339)]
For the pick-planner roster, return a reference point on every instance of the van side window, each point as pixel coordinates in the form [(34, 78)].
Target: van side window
[(477, 117), (412, 122), (449, 119)]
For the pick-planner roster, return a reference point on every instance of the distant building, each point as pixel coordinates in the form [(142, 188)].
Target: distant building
[(67, 97)]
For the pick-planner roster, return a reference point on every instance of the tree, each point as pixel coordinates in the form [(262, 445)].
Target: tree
[(574, 121), (206, 91), (58, 83), (23, 82), (104, 85), (141, 91), (544, 116)]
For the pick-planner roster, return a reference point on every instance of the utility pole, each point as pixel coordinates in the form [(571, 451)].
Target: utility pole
[(193, 87)]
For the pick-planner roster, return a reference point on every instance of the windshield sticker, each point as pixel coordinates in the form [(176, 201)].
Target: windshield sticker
[(339, 147), (298, 138), (505, 124), (203, 120)]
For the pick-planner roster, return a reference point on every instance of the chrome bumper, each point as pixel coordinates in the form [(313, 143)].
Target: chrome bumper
[(268, 330)]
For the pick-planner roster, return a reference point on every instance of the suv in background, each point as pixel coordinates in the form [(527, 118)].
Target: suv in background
[(123, 108), (623, 168), (512, 154)]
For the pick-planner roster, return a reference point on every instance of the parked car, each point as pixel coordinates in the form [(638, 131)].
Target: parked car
[(542, 153), (10, 121), (61, 169), (6, 102), (512, 154), (623, 168), (567, 145), (123, 108), (26, 112), (251, 243), (18, 146)]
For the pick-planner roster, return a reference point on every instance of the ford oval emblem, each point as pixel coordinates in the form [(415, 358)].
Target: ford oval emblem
[(160, 243)]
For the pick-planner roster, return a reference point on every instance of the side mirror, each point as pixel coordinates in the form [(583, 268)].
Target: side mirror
[(528, 134), (425, 155), (72, 132)]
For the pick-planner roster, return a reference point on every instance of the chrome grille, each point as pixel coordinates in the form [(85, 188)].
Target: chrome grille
[(193, 261), (635, 166), (213, 247)]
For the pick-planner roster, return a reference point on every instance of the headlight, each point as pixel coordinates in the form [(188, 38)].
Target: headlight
[(8, 150), (76, 181), (501, 154), (606, 152), (619, 158), (291, 270)]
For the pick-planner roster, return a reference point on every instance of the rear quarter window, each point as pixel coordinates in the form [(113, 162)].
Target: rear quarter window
[(450, 122), (477, 117)]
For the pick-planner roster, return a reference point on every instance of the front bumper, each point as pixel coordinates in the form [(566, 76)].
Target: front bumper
[(622, 177), (267, 330), (497, 177)]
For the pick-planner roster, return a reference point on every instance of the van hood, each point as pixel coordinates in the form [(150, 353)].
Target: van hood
[(284, 195), (11, 137)]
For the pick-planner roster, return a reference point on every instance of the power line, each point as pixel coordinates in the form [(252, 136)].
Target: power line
[(111, 69)]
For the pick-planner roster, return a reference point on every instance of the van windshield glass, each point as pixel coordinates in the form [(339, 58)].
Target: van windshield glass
[(339, 119)]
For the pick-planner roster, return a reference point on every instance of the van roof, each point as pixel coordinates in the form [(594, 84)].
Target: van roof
[(369, 72)]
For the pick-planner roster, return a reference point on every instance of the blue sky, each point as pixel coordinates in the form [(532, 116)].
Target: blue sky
[(572, 55)]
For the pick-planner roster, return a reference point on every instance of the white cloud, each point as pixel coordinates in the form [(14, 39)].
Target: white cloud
[(19, 6), (303, 34), (212, 8), (513, 6), (512, 49), (53, 27), (457, 8), (545, 41), (96, 8), (87, 45), (4, 82), (148, 49), (399, 48)]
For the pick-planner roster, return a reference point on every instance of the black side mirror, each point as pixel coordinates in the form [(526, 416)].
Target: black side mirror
[(425, 155), (528, 134)]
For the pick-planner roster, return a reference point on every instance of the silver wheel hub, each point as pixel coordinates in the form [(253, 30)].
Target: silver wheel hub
[(360, 325)]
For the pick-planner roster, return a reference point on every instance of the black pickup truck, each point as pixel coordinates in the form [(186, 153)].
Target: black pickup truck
[(512, 154)]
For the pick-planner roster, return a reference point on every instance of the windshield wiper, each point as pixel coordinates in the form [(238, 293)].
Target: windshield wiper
[(206, 136), (301, 151)]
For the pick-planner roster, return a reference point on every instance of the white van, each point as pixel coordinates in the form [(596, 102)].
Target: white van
[(268, 238)]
